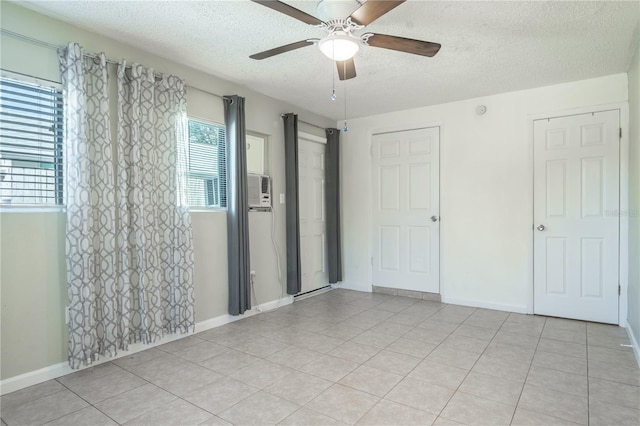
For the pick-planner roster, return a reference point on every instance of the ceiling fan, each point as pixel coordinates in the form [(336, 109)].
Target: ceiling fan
[(341, 44)]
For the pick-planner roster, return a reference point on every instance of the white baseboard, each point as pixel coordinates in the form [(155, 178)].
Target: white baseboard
[(346, 285), (450, 300), (477, 304), (226, 319), (31, 378), (634, 342)]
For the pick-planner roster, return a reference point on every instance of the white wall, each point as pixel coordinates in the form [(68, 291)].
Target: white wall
[(486, 188), (33, 277), (633, 316)]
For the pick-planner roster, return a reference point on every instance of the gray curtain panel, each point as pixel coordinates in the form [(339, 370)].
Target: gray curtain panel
[(294, 272), (332, 194), (155, 249), (237, 207), (94, 312)]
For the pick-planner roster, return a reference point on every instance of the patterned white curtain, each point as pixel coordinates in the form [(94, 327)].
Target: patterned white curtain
[(134, 282), (155, 256), (94, 302)]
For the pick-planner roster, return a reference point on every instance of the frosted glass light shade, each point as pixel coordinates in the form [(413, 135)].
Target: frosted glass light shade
[(339, 47)]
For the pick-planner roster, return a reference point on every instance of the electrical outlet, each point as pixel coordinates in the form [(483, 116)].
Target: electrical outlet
[(253, 274), (281, 198)]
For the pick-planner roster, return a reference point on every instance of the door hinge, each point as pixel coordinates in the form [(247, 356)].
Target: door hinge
[(620, 133), (619, 290)]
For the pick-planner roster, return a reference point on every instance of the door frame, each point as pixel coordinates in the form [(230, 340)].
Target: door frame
[(322, 141), (403, 128), (623, 230)]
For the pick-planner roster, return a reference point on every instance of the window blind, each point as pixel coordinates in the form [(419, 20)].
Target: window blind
[(31, 144), (207, 182)]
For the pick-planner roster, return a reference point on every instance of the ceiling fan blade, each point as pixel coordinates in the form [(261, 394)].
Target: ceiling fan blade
[(282, 49), (372, 10), (290, 11), (409, 45), (346, 69)]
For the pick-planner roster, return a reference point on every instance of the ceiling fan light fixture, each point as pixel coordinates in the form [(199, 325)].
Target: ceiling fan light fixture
[(339, 46)]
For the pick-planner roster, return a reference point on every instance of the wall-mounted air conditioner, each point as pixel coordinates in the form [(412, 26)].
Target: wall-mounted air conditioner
[(259, 191)]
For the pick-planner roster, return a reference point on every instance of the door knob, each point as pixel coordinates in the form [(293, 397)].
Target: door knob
[(434, 218), (540, 228)]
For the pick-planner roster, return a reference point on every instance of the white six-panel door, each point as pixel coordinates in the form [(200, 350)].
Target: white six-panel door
[(576, 199), (406, 210), (312, 215)]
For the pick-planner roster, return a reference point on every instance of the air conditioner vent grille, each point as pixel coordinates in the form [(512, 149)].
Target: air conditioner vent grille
[(259, 191)]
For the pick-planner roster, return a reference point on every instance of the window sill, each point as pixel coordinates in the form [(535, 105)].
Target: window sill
[(32, 209), (207, 210)]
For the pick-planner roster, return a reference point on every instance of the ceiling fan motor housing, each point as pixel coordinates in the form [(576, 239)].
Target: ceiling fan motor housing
[(330, 10)]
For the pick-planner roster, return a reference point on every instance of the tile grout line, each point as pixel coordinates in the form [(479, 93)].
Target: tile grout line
[(407, 374), (264, 358), (362, 363), (297, 370), (337, 382), (159, 387), (224, 376), (436, 347), (450, 334), (36, 399), (229, 377), (528, 371), (561, 371), (474, 364), (90, 404)]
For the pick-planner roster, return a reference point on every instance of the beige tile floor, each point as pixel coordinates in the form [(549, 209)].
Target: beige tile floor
[(346, 357)]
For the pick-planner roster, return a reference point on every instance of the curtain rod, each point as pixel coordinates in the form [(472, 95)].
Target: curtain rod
[(306, 122), (41, 43), (37, 42), (313, 125)]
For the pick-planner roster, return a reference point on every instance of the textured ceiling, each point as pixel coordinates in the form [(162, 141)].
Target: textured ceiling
[(487, 47)]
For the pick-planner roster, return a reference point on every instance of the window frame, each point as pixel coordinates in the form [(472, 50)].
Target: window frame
[(59, 169), (191, 117), (264, 139)]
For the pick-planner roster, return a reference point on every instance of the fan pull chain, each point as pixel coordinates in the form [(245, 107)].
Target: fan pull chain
[(333, 92), (333, 79), (344, 70)]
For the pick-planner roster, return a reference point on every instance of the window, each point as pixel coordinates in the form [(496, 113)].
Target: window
[(207, 181), (31, 157)]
